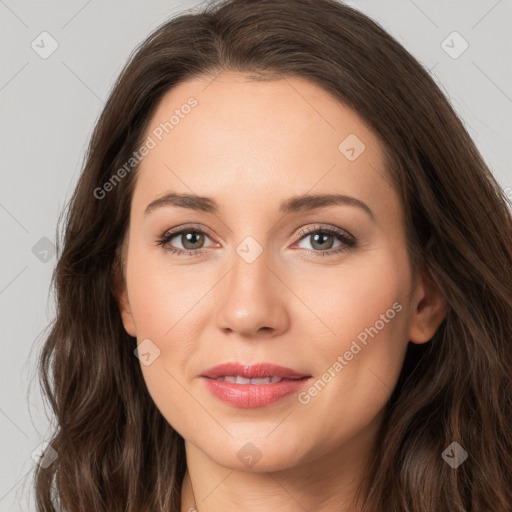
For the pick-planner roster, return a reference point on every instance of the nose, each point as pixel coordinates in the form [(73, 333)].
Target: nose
[(252, 298)]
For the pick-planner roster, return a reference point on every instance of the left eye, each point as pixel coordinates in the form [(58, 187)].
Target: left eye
[(322, 240)]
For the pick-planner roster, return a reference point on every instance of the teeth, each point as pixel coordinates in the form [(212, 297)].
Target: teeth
[(238, 379), (263, 380)]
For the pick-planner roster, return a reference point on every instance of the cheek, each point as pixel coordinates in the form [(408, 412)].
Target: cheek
[(361, 357), (168, 305), (354, 298), (164, 309), (163, 297)]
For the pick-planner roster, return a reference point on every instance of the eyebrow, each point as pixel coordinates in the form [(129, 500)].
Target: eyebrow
[(294, 204)]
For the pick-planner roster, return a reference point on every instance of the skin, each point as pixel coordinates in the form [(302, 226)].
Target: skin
[(249, 145)]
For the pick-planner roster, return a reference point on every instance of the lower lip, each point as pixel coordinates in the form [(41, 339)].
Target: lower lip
[(252, 395)]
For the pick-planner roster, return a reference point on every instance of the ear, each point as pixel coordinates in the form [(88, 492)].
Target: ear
[(120, 292), (428, 308)]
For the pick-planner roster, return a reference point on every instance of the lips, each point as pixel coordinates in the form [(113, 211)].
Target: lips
[(255, 371), (251, 386)]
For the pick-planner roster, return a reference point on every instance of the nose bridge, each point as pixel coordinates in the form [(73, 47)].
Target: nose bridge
[(251, 296), (250, 264), (250, 273)]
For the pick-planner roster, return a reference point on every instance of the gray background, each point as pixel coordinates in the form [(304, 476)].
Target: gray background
[(49, 107)]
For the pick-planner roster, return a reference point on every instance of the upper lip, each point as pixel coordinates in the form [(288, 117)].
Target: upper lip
[(252, 371)]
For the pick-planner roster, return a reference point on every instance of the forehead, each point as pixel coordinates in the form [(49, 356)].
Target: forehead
[(241, 138)]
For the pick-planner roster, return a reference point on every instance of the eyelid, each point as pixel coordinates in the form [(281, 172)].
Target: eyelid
[(177, 230), (326, 228)]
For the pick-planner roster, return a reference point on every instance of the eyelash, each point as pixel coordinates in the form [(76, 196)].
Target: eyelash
[(348, 240)]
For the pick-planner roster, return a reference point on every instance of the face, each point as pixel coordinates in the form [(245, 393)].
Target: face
[(259, 273)]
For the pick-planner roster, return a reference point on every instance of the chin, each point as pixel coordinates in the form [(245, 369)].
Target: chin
[(257, 454)]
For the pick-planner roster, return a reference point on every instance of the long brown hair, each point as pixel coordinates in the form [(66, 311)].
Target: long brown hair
[(116, 452)]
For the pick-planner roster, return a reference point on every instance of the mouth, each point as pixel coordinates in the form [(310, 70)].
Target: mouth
[(239, 379), (245, 372), (252, 386)]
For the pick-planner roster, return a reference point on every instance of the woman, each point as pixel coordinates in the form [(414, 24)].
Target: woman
[(285, 281)]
